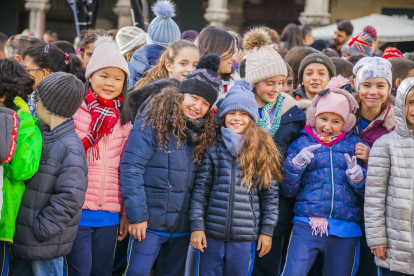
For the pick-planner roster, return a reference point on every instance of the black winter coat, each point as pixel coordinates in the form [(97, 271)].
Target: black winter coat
[(223, 208), (157, 185), (51, 207)]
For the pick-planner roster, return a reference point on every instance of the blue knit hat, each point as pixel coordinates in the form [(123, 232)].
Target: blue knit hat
[(240, 97), (359, 44), (163, 30)]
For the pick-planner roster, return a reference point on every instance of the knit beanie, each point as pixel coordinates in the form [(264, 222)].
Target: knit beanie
[(204, 81), (189, 35), (334, 99), (61, 94), (372, 67), (106, 54), (163, 30), (316, 58), (240, 97), (391, 52), (359, 44), (130, 37), (9, 125), (262, 60)]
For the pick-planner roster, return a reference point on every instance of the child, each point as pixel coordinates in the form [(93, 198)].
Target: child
[(102, 124), (288, 81), (51, 205), (17, 44), (389, 188), (15, 85), (328, 185), (129, 39), (344, 68), (280, 116), (159, 166), (242, 208), (88, 38), (162, 31), (315, 71), (401, 69), (375, 118)]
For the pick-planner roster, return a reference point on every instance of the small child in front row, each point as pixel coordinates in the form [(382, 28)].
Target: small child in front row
[(321, 171), (389, 191), (51, 206), (235, 199)]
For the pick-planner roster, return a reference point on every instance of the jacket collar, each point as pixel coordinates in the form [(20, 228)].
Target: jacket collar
[(59, 131), (386, 119)]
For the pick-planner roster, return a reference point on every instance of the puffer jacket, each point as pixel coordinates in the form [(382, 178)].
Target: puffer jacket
[(104, 189), (157, 184), (383, 124), (223, 208), (142, 60), (51, 206), (22, 167), (389, 192), (322, 188)]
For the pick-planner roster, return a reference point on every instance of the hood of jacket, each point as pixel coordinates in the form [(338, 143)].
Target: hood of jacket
[(401, 123)]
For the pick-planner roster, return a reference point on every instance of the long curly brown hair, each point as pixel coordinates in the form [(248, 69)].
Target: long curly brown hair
[(167, 105), (259, 158)]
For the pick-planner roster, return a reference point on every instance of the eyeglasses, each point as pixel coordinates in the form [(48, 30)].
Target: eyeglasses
[(31, 69)]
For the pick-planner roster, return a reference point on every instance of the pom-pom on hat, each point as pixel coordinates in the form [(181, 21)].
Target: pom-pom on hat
[(61, 94), (163, 30), (334, 99), (262, 61), (204, 81), (240, 97), (106, 54), (391, 52), (130, 37), (372, 67), (371, 31), (359, 44)]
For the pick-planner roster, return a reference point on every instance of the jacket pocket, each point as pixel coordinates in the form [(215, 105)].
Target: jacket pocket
[(251, 205)]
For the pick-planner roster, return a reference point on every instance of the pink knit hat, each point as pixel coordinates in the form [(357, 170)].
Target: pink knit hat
[(334, 99)]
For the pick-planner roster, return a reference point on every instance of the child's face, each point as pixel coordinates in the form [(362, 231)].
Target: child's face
[(87, 54), (328, 124), (108, 82), (237, 121), (288, 85), (227, 59), (267, 90), (315, 78), (409, 110), (185, 62), (195, 107), (374, 92)]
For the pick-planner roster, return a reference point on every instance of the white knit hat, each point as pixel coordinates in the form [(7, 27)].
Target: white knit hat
[(106, 54), (130, 37), (262, 61)]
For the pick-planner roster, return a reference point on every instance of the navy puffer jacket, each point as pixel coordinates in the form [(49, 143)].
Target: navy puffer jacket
[(157, 184), (224, 209)]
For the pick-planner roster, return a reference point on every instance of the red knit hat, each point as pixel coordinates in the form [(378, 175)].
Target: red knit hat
[(391, 52)]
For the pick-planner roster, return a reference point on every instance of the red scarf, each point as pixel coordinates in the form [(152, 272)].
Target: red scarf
[(105, 114)]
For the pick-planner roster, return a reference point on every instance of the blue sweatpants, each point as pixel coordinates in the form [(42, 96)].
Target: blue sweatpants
[(142, 255), (4, 258), (386, 272), (225, 258), (340, 255), (92, 252)]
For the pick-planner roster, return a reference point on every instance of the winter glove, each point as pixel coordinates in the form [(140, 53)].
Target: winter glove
[(305, 155), (21, 104), (354, 171)]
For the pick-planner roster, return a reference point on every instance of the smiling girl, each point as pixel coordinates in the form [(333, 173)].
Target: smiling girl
[(102, 124), (159, 166), (242, 208)]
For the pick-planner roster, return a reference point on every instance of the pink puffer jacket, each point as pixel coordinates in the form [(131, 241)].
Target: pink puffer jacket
[(104, 189)]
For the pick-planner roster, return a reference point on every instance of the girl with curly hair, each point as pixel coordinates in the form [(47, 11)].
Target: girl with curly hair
[(159, 165), (234, 212)]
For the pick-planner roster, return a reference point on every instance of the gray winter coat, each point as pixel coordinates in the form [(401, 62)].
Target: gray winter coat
[(51, 207), (389, 192)]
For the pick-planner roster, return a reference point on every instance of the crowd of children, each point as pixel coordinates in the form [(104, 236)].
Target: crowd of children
[(225, 155)]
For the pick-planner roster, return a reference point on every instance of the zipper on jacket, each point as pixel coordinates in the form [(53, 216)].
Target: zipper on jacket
[(168, 169), (333, 185), (251, 204), (230, 211), (103, 171)]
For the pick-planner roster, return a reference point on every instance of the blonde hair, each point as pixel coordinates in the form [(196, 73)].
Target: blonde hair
[(128, 55), (159, 71)]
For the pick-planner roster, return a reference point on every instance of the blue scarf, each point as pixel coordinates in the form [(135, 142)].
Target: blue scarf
[(234, 142)]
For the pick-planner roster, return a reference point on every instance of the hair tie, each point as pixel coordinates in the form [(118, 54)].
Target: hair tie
[(46, 50), (66, 56)]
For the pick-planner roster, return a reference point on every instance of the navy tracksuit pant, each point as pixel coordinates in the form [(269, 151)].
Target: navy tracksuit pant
[(225, 258), (92, 252), (340, 255), (142, 255)]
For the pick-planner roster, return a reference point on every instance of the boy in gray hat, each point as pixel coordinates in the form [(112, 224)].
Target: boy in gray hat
[(51, 206)]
